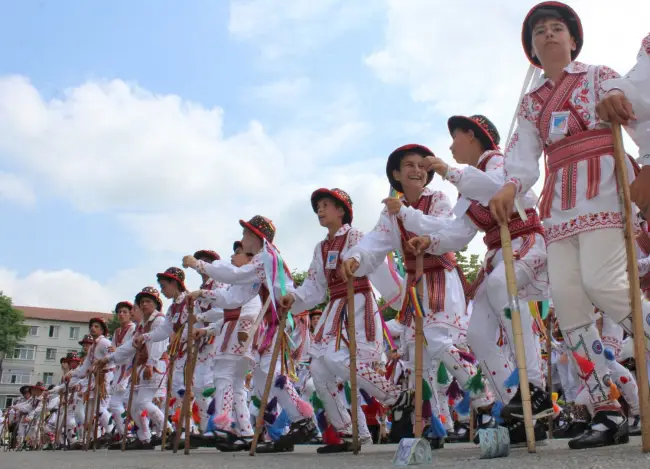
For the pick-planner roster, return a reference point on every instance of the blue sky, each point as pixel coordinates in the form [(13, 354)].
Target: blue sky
[(137, 132)]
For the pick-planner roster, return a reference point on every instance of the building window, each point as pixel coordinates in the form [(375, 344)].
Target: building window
[(24, 352), (54, 332), (47, 378), (33, 330), (7, 401), (16, 377), (50, 354), (74, 333)]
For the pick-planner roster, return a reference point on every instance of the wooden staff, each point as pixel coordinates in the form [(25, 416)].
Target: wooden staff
[(99, 385), (518, 335), (57, 427), (87, 412), (256, 325), (549, 368), (168, 394), (66, 442), (41, 423), (635, 287), (192, 365), (419, 349), (472, 424), (187, 397), (352, 347), (127, 418), (269, 382)]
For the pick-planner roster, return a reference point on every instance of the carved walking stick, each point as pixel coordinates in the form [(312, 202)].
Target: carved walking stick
[(419, 349), (518, 335), (127, 418), (352, 348)]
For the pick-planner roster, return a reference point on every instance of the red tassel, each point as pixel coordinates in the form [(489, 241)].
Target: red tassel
[(624, 379), (586, 366), (196, 416), (614, 393), (143, 414), (331, 437), (172, 401), (443, 419), (177, 416)]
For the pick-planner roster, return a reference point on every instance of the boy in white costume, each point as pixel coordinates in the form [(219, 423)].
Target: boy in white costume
[(476, 143), (443, 301), (579, 204), (330, 357)]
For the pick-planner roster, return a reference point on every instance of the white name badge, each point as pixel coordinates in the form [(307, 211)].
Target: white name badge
[(332, 258), (559, 123)]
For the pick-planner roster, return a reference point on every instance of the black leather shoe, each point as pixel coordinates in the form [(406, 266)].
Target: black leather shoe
[(615, 434)]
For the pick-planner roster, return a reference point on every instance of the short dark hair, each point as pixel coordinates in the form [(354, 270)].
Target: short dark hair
[(544, 14)]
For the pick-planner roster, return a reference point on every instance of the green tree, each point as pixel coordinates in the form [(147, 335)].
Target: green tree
[(12, 329), (113, 324), (299, 278), (470, 266), (388, 312)]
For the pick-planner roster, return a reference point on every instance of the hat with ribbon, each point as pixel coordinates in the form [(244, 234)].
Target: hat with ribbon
[(337, 195), (152, 293), (395, 160), (173, 273)]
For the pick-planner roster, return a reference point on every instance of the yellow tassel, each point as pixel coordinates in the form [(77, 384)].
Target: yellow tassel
[(614, 393)]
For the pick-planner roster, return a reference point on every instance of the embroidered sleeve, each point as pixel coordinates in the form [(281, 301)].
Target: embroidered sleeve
[(225, 272), (446, 234), (371, 250), (440, 205), (644, 266), (523, 151), (156, 349), (454, 175), (163, 331), (604, 73), (482, 186), (314, 289), (234, 297), (123, 354)]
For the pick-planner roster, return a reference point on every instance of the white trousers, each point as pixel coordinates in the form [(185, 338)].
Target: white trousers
[(117, 406), (144, 408)]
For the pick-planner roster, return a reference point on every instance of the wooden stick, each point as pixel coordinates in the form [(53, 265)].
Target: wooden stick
[(635, 287), (57, 426), (419, 349), (170, 377), (87, 412), (256, 325), (518, 335), (352, 348), (472, 423), (269, 381), (195, 354), (66, 442), (39, 429), (127, 418), (549, 368), (99, 383), (187, 397)]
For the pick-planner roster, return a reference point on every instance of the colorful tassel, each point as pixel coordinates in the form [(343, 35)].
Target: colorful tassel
[(366, 396), (436, 430), (281, 382), (609, 355), (143, 414), (212, 407), (123, 415), (427, 393), (507, 312), (475, 384), (256, 401), (454, 391), (442, 375), (172, 401), (316, 402), (304, 408), (348, 392), (443, 419), (177, 416), (321, 420), (276, 429), (497, 407), (273, 403), (513, 380), (181, 392), (463, 406), (331, 437), (222, 421), (427, 412), (624, 380), (209, 392), (196, 415), (614, 393), (586, 366), (468, 357)]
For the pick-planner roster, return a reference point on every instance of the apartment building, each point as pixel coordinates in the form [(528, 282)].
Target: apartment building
[(52, 334)]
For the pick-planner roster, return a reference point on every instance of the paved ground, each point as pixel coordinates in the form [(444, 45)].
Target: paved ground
[(554, 455)]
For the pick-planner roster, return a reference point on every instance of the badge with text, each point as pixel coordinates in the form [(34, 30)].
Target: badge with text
[(559, 123), (332, 258)]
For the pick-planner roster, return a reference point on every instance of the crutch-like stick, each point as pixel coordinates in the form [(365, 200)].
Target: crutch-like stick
[(41, 423), (57, 427), (518, 335), (68, 398), (549, 369), (419, 349), (87, 412), (188, 415), (635, 287), (168, 395), (269, 382), (99, 385), (187, 397), (352, 347), (127, 418)]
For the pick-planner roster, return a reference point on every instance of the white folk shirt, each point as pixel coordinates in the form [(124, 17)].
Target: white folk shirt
[(314, 290), (636, 86), (120, 337), (98, 350), (453, 234), (386, 237), (579, 202)]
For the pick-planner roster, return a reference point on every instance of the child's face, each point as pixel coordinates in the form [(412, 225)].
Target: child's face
[(411, 172), (251, 242), (328, 212), (96, 330), (168, 287), (552, 40), (147, 306), (240, 258), (123, 315), (461, 147)]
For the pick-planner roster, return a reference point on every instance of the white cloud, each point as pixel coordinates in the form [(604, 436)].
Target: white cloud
[(16, 190), (281, 30), (286, 92)]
